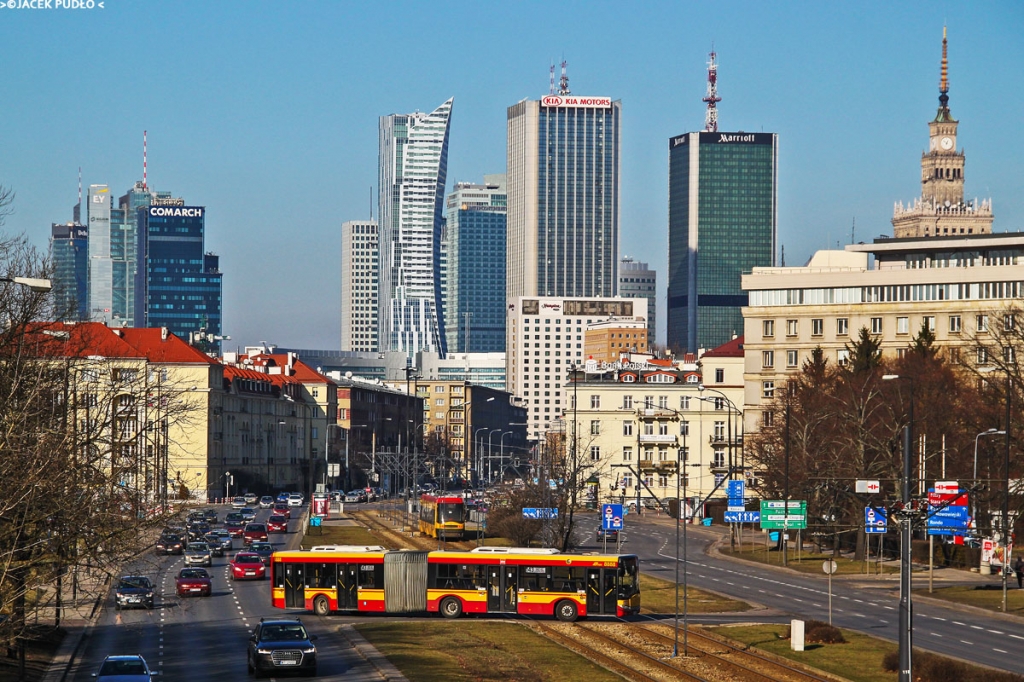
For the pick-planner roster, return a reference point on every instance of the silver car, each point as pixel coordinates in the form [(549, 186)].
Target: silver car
[(198, 554), (124, 669), (223, 538)]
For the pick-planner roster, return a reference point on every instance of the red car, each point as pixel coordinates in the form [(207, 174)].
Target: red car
[(192, 582), (254, 532), (234, 528), (283, 509), (277, 524), (248, 566)]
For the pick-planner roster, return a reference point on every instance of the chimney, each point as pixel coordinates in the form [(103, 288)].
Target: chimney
[(291, 362), (163, 333)]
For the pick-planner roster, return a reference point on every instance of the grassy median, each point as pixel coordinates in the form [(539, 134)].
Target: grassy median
[(988, 596), (659, 596), (478, 651)]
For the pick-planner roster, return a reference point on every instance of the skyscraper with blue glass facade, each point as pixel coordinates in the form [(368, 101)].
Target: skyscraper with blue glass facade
[(177, 284), (69, 252), (721, 224), (474, 300)]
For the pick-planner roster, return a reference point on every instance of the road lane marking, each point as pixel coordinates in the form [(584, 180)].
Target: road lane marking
[(998, 650), (934, 634), (964, 641)]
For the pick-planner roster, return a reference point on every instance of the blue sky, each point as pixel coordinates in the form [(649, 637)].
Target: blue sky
[(266, 113)]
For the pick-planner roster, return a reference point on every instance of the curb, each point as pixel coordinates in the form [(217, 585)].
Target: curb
[(69, 647), (369, 653)]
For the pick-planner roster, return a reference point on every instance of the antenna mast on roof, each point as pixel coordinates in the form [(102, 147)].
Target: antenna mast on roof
[(79, 185), (563, 82), (551, 86), (145, 186), (712, 98)]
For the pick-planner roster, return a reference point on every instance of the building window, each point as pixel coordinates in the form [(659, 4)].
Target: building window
[(648, 428), (1008, 355), (627, 402), (684, 402), (791, 327), (981, 323), (595, 402), (901, 353), (1009, 322), (595, 453), (876, 325), (767, 418), (663, 402), (719, 375), (719, 458), (684, 428), (954, 324), (928, 321), (648, 402), (817, 326), (902, 325), (954, 356), (843, 357), (767, 359), (627, 428), (767, 390), (768, 328), (595, 427), (842, 326), (982, 356), (627, 454), (792, 358), (719, 430), (663, 481)]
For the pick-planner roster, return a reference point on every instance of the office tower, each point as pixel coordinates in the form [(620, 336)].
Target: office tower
[(545, 341), (178, 285), (124, 245), (637, 280), (721, 223), (563, 196), (101, 265), (69, 252), (941, 209), (474, 307), (360, 276), (413, 166)]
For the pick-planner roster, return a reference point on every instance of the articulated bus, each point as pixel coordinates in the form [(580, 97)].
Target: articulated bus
[(485, 580), (443, 516)]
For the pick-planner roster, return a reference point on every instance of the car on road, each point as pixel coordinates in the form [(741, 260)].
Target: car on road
[(248, 566), (234, 528), (295, 500), (277, 523), (193, 582), (198, 530), (283, 509), (123, 669), (169, 544), (210, 516), (355, 496), (250, 498), (238, 502), (198, 553), (255, 532), (133, 590), (248, 513), (215, 543), (266, 502), (223, 538), (264, 549), (610, 535), (279, 645), (282, 497)]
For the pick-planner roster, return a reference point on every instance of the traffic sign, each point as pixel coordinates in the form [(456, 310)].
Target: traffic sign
[(947, 486), (736, 492), (829, 567), (611, 516), (865, 486), (742, 516), (776, 516), (949, 520), (540, 513), (875, 519)]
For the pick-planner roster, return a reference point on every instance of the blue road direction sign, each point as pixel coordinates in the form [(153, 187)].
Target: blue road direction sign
[(735, 491), (953, 519), (611, 517), (742, 517), (875, 519), (540, 513)]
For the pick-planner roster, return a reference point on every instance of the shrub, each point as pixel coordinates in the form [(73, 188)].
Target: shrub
[(822, 633), (933, 668)]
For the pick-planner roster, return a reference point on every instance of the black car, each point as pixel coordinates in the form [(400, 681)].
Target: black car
[(133, 590), (611, 535), (198, 530), (210, 516), (170, 544), (279, 645), (215, 543)]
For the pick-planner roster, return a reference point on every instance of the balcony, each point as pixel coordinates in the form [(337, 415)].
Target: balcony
[(662, 439), (724, 440)]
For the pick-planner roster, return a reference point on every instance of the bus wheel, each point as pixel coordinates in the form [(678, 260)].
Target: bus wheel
[(451, 607), (565, 610), (321, 606)]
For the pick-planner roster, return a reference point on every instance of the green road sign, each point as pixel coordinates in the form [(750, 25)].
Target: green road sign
[(775, 516)]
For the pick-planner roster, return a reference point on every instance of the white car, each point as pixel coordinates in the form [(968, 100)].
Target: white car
[(295, 500), (238, 503)]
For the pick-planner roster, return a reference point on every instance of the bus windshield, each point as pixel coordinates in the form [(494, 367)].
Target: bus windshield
[(448, 512), (628, 576)]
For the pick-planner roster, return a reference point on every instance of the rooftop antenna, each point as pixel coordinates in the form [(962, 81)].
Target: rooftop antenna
[(145, 186), (551, 86), (79, 185), (563, 82), (853, 231), (371, 202), (712, 98)]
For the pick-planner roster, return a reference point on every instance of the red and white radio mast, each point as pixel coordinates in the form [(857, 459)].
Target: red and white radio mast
[(712, 98)]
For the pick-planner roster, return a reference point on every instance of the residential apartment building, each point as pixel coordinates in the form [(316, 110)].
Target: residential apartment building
[(545, 341), (360, 280), (638, 280), (564, 168), (608, 340)]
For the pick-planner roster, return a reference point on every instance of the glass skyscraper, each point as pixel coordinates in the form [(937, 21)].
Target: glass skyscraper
[(69, 251), (637, 280), (475, 234), (563, 196), (413, 169), (177, 285), (721, 224), (101, 264)]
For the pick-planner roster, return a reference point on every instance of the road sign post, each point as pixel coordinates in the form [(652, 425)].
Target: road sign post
[(829, 567)]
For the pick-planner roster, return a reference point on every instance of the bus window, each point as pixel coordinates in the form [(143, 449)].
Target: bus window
[(536, 578), (451, 513), (368, 576), (566, 579), (628, 583), (278, 576), (321, 575)]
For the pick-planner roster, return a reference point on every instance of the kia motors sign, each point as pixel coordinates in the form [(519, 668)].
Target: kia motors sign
[(575, 101)]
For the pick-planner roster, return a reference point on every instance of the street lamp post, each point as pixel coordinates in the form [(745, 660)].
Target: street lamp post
[(974, 503), (490, 450), (906, 619), (1006, 526), (478, 452), (35, 284)]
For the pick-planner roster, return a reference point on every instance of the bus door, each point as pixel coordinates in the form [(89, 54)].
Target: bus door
[(610, 592), (294, 586), (348, 586), (502, 589), (594, 591), (494, 588), (510, 594)]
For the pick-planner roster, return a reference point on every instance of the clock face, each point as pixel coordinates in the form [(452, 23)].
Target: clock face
[(946, 143)]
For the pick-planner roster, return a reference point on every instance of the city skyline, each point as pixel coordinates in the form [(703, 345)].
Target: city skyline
[(275, 157)]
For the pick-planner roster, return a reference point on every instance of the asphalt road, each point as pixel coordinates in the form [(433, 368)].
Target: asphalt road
[(861, 605), (205, 638)]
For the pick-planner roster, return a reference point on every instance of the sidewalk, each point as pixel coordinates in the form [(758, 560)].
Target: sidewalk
[(79, 615)]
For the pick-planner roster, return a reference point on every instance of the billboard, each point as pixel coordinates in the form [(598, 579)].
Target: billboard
[(576, 101)]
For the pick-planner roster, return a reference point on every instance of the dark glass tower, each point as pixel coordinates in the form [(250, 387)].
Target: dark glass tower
[(721, 223), (69, 251), (178, 285)]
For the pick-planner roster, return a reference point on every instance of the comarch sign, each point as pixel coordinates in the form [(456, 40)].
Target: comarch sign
[(574, 101), (176, 211)]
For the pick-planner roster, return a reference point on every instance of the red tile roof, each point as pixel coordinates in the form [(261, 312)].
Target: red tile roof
[(301, 371), (81, 340), (729, 349), (157, 349)]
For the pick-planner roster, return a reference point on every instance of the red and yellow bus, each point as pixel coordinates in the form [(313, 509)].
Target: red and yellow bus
[(443, 516), (540, 582)]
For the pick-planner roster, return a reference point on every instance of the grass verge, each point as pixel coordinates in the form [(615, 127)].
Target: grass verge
[(659, 596), (988, 597), (478, 651), (808, 562), (342, 535)]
